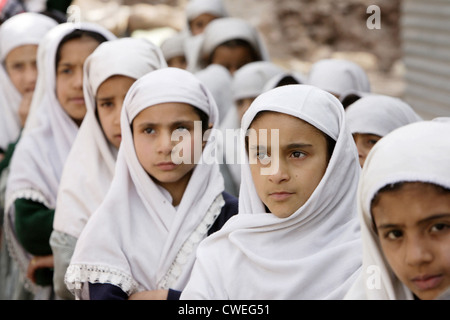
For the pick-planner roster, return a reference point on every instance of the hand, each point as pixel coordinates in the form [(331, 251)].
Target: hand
[(39, 262), (150, 295)]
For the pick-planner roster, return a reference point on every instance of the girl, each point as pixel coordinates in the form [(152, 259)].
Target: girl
[(199, 13), (108, 74), (158, 208), (231, 42), (338, 76), (173, 50), (374, 116), (404, 211), (296, 235), (19, 39), (248, 82), (37, 163)]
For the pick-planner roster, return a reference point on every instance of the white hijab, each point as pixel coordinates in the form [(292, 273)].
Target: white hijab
[(89, 167), (314, 253), (195, 8), (38, 159), (137, 239), (338, 76), (22, 29), (224, 29), (218, 80), (379, 114), (394, 159)]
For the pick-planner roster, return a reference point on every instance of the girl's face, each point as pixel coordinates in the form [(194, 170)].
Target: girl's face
[(20, 64), (152, 134), (413, 225), (301, 153), (233, 57), (109, 100), (69, 75), (364, 143), (198, 24)]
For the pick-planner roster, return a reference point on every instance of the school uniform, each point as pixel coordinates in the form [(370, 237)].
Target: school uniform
[(312, 254), (37, 164), (151, 244), (89, 168), (394, 159)]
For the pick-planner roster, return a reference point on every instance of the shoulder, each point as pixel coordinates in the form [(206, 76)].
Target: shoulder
[(229, 209)]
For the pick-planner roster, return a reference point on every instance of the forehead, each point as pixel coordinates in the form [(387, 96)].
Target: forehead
[(23, 52), (167, 113), (288, 126), (411, 203)]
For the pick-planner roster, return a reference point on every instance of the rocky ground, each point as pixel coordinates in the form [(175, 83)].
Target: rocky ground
[(300, 32)]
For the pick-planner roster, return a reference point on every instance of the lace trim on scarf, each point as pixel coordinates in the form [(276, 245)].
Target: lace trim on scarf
[(191, 244), (77, 275)]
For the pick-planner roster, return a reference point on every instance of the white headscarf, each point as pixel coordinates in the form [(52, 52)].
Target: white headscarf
[(249, 81), (314, 253), (221, 30), (338, 76), (218, 80), (379, 114), (22, 29), (89, 167), (38, 159), (194, 8), (174, 45), (394, 159), (151, 244)]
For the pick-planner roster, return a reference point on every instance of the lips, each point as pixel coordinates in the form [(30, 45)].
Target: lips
[(166, 166), (280, 195), (77, 100), (427, 282)]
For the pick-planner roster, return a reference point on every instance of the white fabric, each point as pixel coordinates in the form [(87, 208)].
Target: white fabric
[(195, 8), (224, 29), (249, 81), (394, 159), (379, 115), (21, 29), (150, 243), (274, 81), (39, 156), (89, 167), (174, 45), (338, 76), (218, 80), (314, 253)]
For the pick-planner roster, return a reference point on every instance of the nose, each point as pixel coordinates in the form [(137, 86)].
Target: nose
[(279, 172), (31, 75), (165, 144), (78, 78), (417, 251)]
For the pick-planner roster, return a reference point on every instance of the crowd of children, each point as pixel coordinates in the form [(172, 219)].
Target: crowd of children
[(201, 169)]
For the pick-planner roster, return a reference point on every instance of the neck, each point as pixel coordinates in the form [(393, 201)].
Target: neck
[(177, 188)]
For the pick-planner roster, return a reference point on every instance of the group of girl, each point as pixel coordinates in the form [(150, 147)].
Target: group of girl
[(325, 199)]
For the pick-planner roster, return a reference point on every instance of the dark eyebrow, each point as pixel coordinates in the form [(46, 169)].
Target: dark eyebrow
[(426, 220), (435, 217), (104, 98), (298, 145)]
